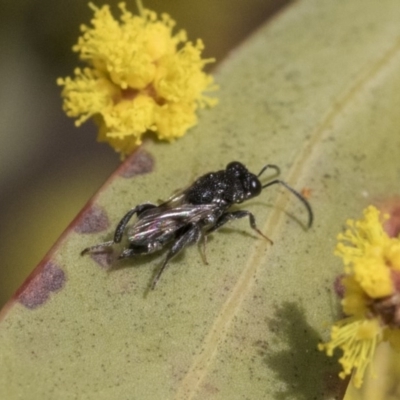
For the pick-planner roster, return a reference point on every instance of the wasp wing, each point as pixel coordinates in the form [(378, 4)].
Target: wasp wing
[(161, 223)]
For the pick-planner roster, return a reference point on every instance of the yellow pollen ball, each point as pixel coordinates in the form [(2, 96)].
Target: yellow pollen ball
[(140, 77), (371, 296)]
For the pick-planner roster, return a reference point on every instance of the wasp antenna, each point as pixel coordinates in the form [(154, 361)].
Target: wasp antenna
[(273, 166), (297, 194)]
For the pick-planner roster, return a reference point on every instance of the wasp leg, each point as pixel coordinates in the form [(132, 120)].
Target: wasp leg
[(135, 250), (130, 252), (119, 231), (226, 217), (203, 249), (100, 247), (190, 236)]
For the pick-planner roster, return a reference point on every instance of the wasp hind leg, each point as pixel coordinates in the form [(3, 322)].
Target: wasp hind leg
[(190, 236), (137, 250), (119, 231), (203, 249), (98, 248), (129, 252)]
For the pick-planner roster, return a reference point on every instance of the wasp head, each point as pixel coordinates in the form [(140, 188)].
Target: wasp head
[(250, 184)]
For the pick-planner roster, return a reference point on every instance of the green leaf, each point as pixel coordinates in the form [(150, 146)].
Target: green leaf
[(316, 91)]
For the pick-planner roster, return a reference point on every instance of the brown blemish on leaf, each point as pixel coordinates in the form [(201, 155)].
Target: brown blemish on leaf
[(104, 259), (338, 286), (122, 283), (36, 291), (210, 389), (306, 192), (93, 220), (392, 207), (139, 163)]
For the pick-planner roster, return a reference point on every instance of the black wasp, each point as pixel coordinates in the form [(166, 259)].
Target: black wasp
[(193, 213)]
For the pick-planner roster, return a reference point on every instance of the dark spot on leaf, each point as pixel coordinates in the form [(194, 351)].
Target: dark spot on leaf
[(392, 226), (104, 259), (338, 286), (93, 220), (36, 291), (391, 206), (139, 163), (210, 389)]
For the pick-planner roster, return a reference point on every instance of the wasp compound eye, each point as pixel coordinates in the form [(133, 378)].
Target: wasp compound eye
[(255, 187)]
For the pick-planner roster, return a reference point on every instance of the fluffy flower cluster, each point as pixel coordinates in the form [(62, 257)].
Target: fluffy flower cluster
[(139, 77), (372, 293)]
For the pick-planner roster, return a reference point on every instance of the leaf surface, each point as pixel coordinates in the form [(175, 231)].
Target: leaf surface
[(317, 92)]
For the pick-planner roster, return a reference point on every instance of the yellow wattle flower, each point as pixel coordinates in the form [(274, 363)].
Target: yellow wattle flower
[(362, 248), (371, 298), (357, 338), (140, 77)]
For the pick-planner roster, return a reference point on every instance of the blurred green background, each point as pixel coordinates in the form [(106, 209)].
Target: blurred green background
[(50, 169)]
